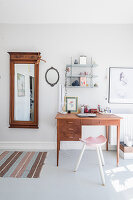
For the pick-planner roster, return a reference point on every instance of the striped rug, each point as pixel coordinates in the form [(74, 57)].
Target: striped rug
[(20, 164)]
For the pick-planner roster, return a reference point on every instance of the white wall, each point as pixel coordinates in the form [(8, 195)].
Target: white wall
[(109, 45), (66, 11)]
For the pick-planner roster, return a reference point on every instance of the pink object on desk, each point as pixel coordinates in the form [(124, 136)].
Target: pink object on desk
[(86, 110)]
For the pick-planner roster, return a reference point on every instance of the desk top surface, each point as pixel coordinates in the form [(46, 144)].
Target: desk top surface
[(98, 117)]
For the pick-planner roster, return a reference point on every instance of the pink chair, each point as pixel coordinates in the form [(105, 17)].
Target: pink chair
[(97, 143)]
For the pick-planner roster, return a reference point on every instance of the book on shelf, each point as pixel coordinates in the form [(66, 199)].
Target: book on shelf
[(82, 81)]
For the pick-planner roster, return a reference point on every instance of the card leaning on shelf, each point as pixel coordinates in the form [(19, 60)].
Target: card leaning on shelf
[(71, 104), (83, 60), (82, 81)]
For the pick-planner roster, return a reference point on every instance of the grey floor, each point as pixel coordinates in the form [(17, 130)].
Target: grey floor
[(63, 184)]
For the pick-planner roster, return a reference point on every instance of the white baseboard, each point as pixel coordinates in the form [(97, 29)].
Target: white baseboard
[(17, 145), (27, 145)]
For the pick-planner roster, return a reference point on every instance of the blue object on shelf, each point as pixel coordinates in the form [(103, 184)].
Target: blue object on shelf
[(76, 61), (76, 83)]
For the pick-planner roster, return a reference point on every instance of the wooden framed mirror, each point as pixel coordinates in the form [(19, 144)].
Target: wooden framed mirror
[(24, 89)]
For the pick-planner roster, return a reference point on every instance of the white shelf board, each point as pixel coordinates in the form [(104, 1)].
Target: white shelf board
[(81, 65), (78, 76), (80, 87)]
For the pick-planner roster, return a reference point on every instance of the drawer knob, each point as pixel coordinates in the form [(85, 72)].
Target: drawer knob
[(70, 122), (70, 129)]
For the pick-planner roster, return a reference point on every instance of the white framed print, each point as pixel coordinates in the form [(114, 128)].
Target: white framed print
[(71, 104), (83, 60), (120, 85)]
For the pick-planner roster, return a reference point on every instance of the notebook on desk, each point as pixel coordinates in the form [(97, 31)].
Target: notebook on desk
[(86, 115)]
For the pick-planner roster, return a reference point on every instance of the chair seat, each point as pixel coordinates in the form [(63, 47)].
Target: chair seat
[(96, 142), (92, 141)]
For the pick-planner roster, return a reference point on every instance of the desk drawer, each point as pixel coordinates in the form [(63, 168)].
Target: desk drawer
[(98, 122), (70, 122), (70, 131), (86, 122)]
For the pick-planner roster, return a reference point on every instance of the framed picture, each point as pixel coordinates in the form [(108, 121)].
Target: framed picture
[(21, 85), (71, 104), (120, 85), (83, 60)]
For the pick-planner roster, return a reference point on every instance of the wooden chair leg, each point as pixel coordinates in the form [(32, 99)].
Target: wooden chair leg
[(101, 155), (80, 157), (100, 165)]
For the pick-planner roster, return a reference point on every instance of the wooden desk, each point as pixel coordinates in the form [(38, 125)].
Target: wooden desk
[(69, 128)]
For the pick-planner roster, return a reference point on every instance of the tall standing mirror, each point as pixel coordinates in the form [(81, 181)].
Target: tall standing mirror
[(24, 76)]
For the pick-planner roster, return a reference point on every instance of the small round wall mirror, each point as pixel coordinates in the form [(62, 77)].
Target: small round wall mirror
[(52, 76)]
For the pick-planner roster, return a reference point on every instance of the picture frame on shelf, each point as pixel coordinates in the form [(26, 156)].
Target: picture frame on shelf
[(120, 85), (71, 104), (83, 60)]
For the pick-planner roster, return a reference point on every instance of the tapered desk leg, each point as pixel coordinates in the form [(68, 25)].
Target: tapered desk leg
[(58, 149), (107, 136), (58, 142), (118, 143)]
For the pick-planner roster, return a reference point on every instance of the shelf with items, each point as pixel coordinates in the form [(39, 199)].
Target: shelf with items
[(80, 79), (69, 86), (78, 76), (82, 65)]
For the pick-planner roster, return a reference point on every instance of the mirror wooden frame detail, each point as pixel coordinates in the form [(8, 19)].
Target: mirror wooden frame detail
[(24, 58)]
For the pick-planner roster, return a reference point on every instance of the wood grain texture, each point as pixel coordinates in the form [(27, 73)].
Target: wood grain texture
[(118, 142), (70, 130), (58, 140), (24, 58), (125, 148), (98, 116), (107, 136), (69, 127)]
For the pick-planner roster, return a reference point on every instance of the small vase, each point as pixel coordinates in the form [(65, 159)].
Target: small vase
[(76, 61)]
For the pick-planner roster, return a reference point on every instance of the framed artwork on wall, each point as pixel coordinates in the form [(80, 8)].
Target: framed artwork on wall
[(120, 85), (71, 104)]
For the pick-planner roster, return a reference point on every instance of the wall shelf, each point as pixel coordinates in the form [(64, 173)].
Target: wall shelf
[(73, 73), (85, 65), (80, 86), (78, 76)]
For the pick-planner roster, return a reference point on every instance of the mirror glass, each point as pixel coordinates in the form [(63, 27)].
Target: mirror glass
[(52, 76), (24, 92)]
